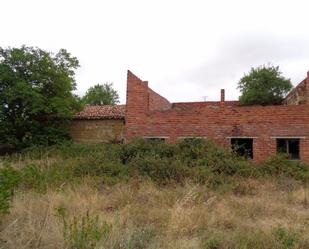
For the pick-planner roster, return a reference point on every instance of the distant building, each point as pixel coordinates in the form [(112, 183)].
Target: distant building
[(97, 124), (261, 131)]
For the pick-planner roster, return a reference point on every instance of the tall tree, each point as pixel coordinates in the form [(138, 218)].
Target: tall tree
[(36, 98), (101, 95), (263, 85)]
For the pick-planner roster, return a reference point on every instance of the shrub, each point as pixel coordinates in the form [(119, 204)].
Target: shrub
[(213, 243), (98, 168), (247, 238), (201, 174), (39, 178), (9, 179), (287, 239), (201, 152), (32, 177), (137, 239), (159, 170), (281, 166), (244, 188), (108, 171), (200, 160), (82, 232), (191, 150), (134, 149), (139, 148), (230, 166), (108, 151)]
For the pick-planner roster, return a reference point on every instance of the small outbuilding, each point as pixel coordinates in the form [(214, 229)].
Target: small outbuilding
[(98, 123)]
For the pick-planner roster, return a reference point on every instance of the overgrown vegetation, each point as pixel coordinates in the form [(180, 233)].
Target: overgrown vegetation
[(9, 179), (151, 195), (199, 160), (278, 238), (82, 232), (36, 99)]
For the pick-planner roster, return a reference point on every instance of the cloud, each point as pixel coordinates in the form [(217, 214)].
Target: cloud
[(185, 49), (235, 55)]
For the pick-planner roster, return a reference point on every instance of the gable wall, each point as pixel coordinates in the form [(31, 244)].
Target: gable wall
[(300, 94)]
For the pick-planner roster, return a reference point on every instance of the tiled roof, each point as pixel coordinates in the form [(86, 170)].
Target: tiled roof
[(102, 112)]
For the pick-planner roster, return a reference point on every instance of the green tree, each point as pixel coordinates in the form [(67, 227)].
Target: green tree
[(101, 95), (36, 98), (263, 85)]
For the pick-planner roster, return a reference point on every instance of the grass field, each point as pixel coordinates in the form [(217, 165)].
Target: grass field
[(120, 209)]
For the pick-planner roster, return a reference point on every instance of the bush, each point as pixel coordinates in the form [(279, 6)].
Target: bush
[(281, 166), (139, 148), (197, 159), (138, 238), (39, 178), (213, 243), (244, 188), (159, 170), (9, 179), (230, 166), (191, 150), (108, 172), (287, 239), (32, 177), (277, 238), (82, 232), (218, 160)]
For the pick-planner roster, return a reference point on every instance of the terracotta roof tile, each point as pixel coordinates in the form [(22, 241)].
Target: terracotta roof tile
[(101, 112)]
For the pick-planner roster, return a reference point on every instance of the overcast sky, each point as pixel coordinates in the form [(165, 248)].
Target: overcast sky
[(185, 49)]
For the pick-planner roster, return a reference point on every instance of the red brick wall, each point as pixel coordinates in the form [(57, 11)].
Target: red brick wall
[(190, 105), (157, 102), (217, 122), (136, 104), (300, 94)]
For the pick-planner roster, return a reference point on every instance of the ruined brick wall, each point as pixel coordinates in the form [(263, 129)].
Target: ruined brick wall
[(136, 104), (157, 102), (97, 131), (217, 122), (189, 105), (300, 94)]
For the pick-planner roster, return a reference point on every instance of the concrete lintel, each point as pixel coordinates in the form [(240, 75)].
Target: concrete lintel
[(289, 137), (240, 137), (184, 137), (156, 137)]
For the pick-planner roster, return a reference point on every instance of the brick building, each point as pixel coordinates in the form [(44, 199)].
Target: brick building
[(261, 130)]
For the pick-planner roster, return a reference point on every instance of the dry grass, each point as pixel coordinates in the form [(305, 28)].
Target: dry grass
[(143, 215)]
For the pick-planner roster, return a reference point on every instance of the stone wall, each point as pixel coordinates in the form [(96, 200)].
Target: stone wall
[(96, 131)]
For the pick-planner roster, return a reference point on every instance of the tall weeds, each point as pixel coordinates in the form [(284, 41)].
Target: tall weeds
[(151, 195)]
